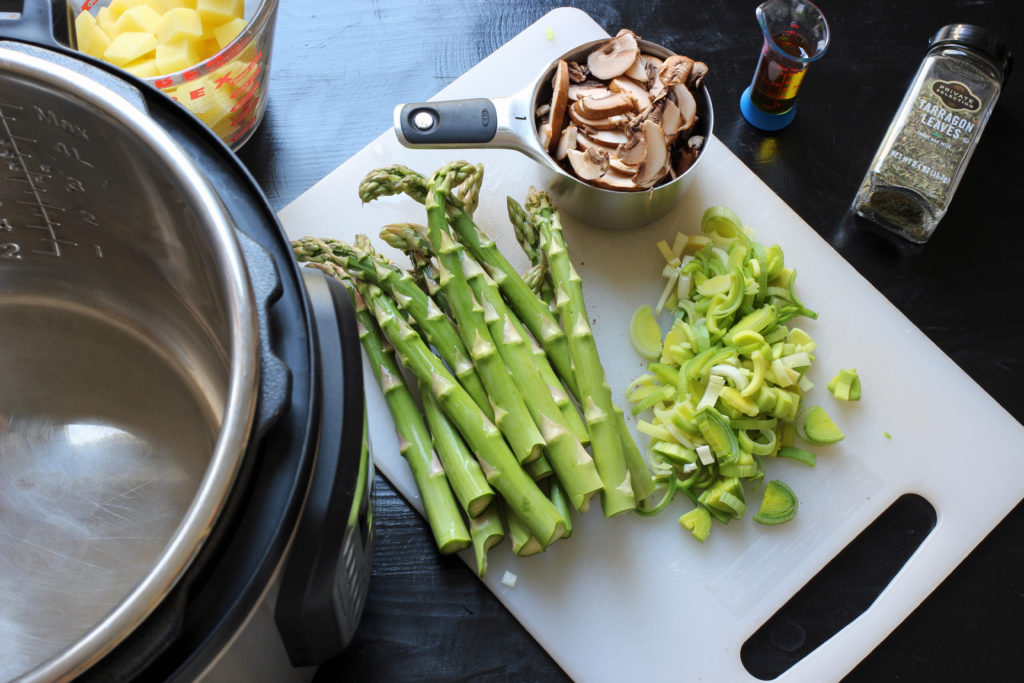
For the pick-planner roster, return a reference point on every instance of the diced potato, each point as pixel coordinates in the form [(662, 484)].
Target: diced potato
[(216, 12), (142, 18), (107, 21), (129, 46), (176, 56), (227, 31), (91, 38), (200, 97), (164, 6), (208, 47), (144, 67), (118, 7), (180, 23)]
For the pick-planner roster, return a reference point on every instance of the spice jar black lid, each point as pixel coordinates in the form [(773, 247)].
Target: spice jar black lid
[(978, 38)]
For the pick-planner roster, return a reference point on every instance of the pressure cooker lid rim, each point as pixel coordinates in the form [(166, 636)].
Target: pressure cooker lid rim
[(71, 77)]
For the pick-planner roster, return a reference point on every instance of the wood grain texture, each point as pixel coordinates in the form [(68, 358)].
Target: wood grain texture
[(338, 70)]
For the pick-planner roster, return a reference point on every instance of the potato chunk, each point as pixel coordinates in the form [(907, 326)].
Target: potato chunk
[(180, 23), (129, 46)]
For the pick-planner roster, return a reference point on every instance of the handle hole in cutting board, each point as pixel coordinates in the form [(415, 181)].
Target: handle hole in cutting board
[(842, 591)]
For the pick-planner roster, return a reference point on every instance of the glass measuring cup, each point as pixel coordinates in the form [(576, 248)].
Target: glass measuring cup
[(795, 34), (227, 91)]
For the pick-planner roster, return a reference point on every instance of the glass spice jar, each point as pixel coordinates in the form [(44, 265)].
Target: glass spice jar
[(917, 168)]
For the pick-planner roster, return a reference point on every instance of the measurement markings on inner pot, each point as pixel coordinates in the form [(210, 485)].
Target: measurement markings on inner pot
[(36, 183)]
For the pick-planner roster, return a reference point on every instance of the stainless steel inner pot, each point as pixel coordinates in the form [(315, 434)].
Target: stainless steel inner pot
[(129, 370), (509, 123)]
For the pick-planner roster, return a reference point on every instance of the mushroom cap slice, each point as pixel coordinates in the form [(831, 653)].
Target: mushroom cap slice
[(588, 88), (634, 152), (667, 115), (615, 56), (653, 167), (566, 141), (610, 138), (687, 106), (675, 70), (615, 180), (590, 164), (604, 123), (559, 102), (637, 70), (601, 107), (635, 91), (697, 74)]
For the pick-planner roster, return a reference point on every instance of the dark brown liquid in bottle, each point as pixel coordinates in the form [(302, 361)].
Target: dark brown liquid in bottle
[(777, 79)]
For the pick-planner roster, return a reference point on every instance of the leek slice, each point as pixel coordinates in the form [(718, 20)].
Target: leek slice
[(819, 429), (698, 522), (779, 504), (645, 334)]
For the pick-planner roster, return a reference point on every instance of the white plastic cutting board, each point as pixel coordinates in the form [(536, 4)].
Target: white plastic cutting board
[(631, 598)]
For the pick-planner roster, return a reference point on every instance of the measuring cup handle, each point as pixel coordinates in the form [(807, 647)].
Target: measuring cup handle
[(33, 25), (453, 123)]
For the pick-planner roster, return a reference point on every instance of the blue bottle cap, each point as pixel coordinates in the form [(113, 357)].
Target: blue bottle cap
[(762, 120)]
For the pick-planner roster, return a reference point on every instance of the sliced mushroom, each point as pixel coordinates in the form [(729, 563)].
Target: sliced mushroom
[(633, 90), (616, 180), (545, 134), (614, 57), (687, 106), (543, 110), (601, 107), (652, 64), (588, 88), (637, 70), (634, 152), (610, 138), (667, 115), (697, 73), (559, 102), (566, 141), (590, 164), (654, 165), (606, 123), (675, 70)]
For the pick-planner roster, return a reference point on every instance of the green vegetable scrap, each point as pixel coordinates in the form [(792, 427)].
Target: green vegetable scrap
[(724, 392), (846, 385)]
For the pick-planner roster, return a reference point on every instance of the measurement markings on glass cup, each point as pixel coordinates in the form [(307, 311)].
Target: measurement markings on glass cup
[(36, 180)]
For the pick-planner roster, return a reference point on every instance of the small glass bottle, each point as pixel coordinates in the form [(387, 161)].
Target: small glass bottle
[(916, 170)]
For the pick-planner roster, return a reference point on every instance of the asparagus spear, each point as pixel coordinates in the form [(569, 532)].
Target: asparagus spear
[(524, 543), (496, 459), (464, 473), (599, 410), (573, 466), (439, 330), (534, 312), (486, 531), (510, 411), (442, 511)]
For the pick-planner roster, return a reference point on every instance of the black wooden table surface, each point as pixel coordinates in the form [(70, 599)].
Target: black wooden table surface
[(340, 67)]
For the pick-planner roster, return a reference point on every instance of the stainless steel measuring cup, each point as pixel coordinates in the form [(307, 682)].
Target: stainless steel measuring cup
[(509, 123)]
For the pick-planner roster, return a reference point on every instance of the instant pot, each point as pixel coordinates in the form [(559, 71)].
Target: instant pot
[(185, 479)]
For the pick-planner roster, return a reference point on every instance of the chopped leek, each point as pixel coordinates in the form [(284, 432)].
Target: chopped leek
[(645, 333), (846, 385), (778, 505), (818, 428), (727, 381)]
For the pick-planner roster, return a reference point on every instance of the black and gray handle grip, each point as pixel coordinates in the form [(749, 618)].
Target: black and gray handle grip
[(456, 123)]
